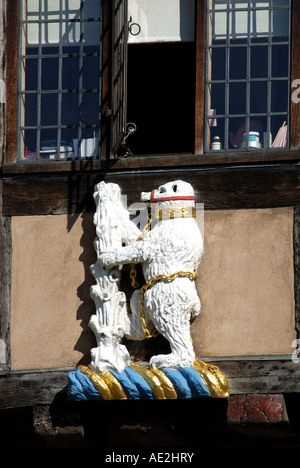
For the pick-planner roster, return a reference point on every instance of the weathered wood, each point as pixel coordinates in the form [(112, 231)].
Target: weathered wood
[(151, 162), (11, 80), (106, 78), (2, 76), (217, 187), (5, 289), (297, 267), (295, 75), (200, 28), (245, 377), (39, 196), (261, 376), (29, 389)]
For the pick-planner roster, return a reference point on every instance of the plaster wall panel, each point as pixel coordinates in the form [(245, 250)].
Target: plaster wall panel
[(246, 284), (50, 290)]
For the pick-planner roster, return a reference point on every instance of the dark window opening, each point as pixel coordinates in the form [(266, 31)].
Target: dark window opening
[(161, 97)]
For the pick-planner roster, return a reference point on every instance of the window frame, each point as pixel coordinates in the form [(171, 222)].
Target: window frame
[(165, 160), (248, 44)]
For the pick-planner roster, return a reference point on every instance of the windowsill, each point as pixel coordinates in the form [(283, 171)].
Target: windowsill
[(151, 162)]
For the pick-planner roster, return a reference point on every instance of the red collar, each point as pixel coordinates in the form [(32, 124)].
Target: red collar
[(180, 197)]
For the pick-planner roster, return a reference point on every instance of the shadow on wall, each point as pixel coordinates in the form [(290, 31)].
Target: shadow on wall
[(86, 340), (139, 350)]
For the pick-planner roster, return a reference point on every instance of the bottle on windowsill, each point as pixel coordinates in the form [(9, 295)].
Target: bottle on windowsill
[(216, 143)]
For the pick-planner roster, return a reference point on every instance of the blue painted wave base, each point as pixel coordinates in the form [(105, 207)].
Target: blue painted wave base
[(132, 384)]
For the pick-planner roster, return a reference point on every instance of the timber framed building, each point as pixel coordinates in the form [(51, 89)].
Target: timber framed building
[(95, 90)]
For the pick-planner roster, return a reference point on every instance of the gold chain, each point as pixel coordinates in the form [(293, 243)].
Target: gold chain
[(149, 283), (164, 213), (187, 274), (175, 212)]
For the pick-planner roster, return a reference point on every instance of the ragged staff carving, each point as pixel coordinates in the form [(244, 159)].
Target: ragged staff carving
[(110, 322)]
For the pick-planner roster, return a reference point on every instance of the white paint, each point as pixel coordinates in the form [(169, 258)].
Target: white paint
[(70, 33), (296, 93), (161, 20), (2, 352), (2, 91), (172, 245), (238, 20), (110, 322)]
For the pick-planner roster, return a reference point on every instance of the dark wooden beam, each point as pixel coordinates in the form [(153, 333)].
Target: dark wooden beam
[(295, 75), (217, 187), (5, 289), (200, 33), (296, 237), (106, 78), (11, 80), (151, 162), (244, 377)]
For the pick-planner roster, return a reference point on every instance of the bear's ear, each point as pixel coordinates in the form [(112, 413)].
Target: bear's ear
[(174, 188)]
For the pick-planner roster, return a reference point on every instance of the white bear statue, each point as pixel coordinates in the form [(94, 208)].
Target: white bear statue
[(170, 254)]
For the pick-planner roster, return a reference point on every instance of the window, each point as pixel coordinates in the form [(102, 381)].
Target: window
[(59, 79), (248, 74), (111, 78), (161, 76)]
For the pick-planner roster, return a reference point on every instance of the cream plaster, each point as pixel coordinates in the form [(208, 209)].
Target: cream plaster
[(246, 284), (50, 290)]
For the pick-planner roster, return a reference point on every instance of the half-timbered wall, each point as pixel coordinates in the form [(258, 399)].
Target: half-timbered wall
[(248, 280)]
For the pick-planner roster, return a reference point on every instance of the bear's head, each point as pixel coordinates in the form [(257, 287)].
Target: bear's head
[(173, 192)]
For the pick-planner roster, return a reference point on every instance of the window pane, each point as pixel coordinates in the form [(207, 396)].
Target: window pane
[(70, 109), (238, 63), (70, 73), (218, 22), (218, 97), (279, 93), (250, 60), (49, 73), (219, 4), (91, 72), (48, 144), (216, 133), (89, 144), (237, 98), (258, 97), (260, 21), (63, 21), (237, 127), (238, 21), (49, 109), (90, 108), (28, 138), (60, 65), (30, 106), (259, 62), (280, 3), (218, 62), (280, 61), (279, 131), (247, 133), (280, 27), (30, 70)]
